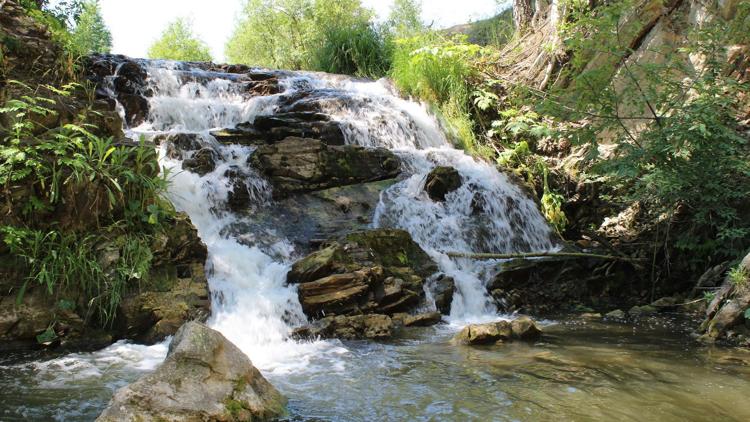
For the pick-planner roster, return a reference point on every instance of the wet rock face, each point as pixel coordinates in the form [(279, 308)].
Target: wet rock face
[(302, 165), (274, 128), (204, 378), (178, 144), (202, 162), (128, 79), (372, 272), (371, 327), (442, 181)]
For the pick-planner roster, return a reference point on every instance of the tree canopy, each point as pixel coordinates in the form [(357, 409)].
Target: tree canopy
[(91, 34), (178, 42), (288, 33)]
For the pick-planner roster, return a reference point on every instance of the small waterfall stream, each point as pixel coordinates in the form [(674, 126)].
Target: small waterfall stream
[(252, 305)]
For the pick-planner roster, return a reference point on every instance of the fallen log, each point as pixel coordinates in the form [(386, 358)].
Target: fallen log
[(525, 255)]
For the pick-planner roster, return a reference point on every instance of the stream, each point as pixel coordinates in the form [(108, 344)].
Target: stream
[(579, 370)]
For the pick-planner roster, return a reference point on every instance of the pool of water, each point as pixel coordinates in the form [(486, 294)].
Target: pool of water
[(580, 370)]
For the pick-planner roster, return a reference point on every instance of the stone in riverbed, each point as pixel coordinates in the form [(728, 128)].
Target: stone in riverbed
[(373, 327), (422, 320), (204, 378), (645, 310), (616, 314), (441, 181), (525, 328), (488, 333)]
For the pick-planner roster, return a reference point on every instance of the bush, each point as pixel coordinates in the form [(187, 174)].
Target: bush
[(55, 163), (178, 42)]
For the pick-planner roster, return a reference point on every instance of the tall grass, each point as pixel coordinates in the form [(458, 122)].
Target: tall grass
[(358, 50), (439, 71)]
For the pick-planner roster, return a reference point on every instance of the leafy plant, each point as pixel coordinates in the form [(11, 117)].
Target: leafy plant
[(738, 276)]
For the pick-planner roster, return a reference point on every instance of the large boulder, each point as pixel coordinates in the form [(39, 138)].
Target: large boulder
[(371, 327), (204, 378), (378, 271), (302, 165), (441, 181)]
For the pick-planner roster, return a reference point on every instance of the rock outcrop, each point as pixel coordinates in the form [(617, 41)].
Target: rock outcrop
[(728, 315), (204, 378), (371, 272), (442, 181), (302, 165), (274, 128)]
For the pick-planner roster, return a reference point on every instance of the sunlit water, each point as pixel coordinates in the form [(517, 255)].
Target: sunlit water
[(576, 374)]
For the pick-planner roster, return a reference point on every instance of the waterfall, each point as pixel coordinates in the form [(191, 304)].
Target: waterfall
[(252, 306)]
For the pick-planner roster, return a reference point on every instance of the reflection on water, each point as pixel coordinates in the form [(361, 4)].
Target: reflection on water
[(579, 371)]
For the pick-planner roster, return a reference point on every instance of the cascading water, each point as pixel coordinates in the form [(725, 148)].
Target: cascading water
[(252, 305)]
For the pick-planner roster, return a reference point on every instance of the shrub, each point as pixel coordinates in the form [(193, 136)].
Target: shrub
[(357, 50)]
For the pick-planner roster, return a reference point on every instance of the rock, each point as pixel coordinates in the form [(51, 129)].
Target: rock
[(372, 327), (339, 293), (279, 126), (730, 315), (422, 320), (548, 285), (644, 310), (525, 328), (204, 377), (136, 108), (178, 144), (377, 271), (591, 315), (488, 333), (202, 162), (442, 288), (302, 165), (441, 181), (665, 303), (616, 314)]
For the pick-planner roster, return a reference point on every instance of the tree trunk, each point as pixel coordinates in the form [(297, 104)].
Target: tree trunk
[(523, 12)]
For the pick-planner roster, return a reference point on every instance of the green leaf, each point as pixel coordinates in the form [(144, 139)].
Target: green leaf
[(747, 314), (46, 337)]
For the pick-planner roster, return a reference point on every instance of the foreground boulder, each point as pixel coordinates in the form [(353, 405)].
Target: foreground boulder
[(371, 272), (303, 165), (441, 181), (204, 378), (523, 328)]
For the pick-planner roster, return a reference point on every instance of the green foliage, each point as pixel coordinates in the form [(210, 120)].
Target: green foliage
[(439, 71), (738, 276), (55, 163), (356, 50), (678, 150), (62, 262), (709, 296), (178, 42), (91, 34), (288, 34)]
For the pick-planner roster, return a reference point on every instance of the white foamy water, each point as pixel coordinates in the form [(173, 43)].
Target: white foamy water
[(251, 305)]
